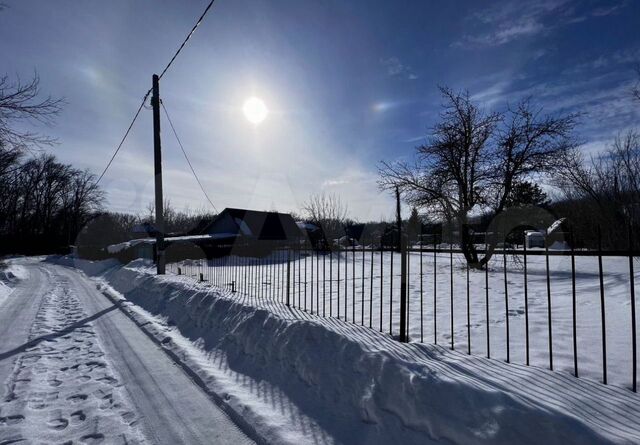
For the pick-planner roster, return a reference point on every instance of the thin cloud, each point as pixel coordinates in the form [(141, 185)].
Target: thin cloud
[(517, 20), (395, 68)]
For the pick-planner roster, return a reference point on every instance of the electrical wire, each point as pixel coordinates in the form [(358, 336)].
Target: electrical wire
[(187, 38), (187, 157), (115, 153), (144, 100)]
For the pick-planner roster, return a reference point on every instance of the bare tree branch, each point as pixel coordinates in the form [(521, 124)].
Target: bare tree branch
[(20, 102)]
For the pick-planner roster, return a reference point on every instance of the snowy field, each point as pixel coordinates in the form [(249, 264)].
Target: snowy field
[(318, 286)]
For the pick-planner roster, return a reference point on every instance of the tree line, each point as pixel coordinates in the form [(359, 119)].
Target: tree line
[(44, 202)]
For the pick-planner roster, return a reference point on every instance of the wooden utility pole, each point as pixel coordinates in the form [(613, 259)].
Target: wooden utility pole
[(157, 161)]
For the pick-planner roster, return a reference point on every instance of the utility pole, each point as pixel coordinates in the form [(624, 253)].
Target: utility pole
[(157, 161)]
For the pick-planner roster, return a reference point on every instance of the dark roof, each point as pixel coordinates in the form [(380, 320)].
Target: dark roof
[(200, 227), (255, 224)]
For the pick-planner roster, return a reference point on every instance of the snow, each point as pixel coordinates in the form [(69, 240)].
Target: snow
[(555, 226), (300, 378), (77, 370), (266, 281), (10, 275), (62, 387), (115, 248)]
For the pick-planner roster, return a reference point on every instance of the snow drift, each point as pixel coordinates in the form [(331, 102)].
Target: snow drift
[(360, 386), (9, 275)]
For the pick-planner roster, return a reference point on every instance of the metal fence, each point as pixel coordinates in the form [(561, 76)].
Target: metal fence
[(429, 294)]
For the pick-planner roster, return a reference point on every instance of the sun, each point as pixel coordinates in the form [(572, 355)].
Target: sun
[(255, 110)]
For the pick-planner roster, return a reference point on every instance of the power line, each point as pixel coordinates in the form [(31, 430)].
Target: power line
[(187, 157), (124, 137), (115, 153), (187, 38)]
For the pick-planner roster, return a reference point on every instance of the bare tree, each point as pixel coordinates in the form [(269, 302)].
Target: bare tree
[(609, 183), (20, 102), (327, 212), (473, 160)]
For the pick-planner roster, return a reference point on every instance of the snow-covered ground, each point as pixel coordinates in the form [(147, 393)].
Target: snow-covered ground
[(266, 280), (10, 274), (62, 387), (300, 378), (77, 370)]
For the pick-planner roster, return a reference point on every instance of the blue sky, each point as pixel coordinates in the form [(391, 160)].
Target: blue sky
[(348, 84)]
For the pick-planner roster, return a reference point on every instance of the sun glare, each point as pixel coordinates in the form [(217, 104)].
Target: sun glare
[(255, 110)]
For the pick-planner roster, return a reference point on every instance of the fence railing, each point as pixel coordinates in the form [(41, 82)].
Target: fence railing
[(557, 308)]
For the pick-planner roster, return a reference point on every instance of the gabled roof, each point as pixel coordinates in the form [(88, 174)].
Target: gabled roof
[(255, 224)]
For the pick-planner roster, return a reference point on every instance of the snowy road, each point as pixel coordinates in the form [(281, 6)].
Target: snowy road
[(75, 368)]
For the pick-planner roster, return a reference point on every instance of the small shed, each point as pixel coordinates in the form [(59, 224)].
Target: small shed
[(534, 238)]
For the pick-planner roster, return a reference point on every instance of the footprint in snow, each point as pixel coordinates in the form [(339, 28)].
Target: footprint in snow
[(11, 420), (58, 423), (77, 398), (92, 438)]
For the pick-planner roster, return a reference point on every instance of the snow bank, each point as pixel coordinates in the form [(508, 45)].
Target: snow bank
[(360, 386), (91, 268), (10, 274)]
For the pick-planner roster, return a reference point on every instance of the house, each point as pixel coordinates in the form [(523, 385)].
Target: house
[(251, 231), (143, 230), (233, 231)]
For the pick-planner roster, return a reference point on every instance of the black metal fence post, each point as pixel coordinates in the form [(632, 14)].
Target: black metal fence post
[(421, 295), (403, 290), (435, 293), (324, 283), (468, 313), (549, 319), (371, 294), (632, 289), (451, 278), (486, 297), (506, 303), (288, 277), (573, 307), (526, 303), (353, 284), (408, 254), (602, 310), (391, 296), (362, 290), (381, 283), (331, 282), (346, 284)]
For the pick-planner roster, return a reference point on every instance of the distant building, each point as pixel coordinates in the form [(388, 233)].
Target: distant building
[(233, 231), (253, 225), (534, 238), (249, 232), (143, 230)]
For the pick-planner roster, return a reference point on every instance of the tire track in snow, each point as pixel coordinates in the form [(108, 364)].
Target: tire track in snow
[(62, 388)]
